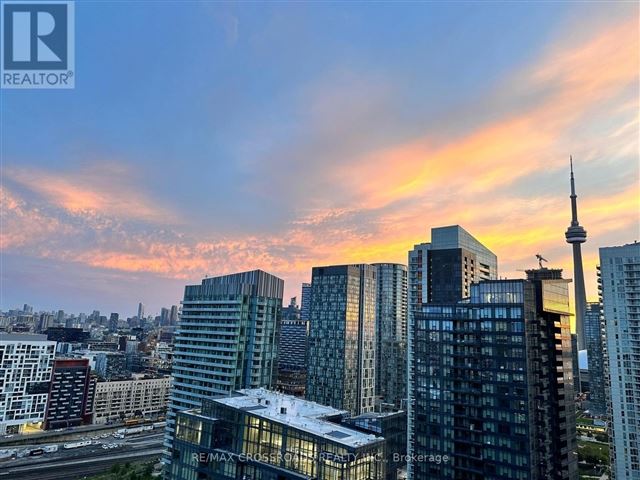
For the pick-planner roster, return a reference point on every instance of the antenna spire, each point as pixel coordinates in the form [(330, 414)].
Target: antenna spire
[(571, 163), (573, 196)]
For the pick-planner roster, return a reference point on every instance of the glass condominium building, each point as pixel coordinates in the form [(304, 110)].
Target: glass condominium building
[(226, 340), (341, 348), (262, 435), (292, 351), (619, 284), (595, 358), (305, 302), (443, 271), (391, 334), (491, 384)]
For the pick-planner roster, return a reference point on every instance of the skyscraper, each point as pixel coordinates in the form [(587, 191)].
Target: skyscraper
[(341, 352), (164, 317), (226, 339), (140, 311), (292, 351), (113, 322), (305, 302), (619, 284), (576, 363), (46, 321), (595, 358), (492, 383), (391, 333), (173, 315), (443, 271), (576, 235)]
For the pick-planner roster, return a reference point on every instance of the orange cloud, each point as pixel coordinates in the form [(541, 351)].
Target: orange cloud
[(574, 80), (400, 191), (106, 189), (23, 226)]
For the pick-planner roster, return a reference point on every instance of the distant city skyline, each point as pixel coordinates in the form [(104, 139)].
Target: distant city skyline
[(366, 126)]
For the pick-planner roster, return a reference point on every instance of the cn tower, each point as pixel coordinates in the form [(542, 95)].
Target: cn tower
[(576, 235)]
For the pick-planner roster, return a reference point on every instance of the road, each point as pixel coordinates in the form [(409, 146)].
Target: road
[(11, 441), (82, 462)]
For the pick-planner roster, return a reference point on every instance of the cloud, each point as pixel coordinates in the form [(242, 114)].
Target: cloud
[(570, 84), (109, 189), (363, 191), (23, 226)]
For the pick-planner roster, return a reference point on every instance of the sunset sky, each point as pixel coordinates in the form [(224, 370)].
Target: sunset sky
[(205, 138)]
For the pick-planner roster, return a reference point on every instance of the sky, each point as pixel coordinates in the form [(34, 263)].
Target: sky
[(207, 138)]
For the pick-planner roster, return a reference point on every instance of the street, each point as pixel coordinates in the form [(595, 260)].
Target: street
[(70, 464)]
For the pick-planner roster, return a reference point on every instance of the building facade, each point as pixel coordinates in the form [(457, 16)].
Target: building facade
[(67, 335), (443, 271), (576, 364), (70, 395), (593, 331), (258, 434), (619, 284), (121, 399), (341, 351), (114, 318), (164, 317), (305, 302), (107, 365), (292, 351), (491, 384), (226, 339), (391, 334), (173, 315), (26, 366), (392, 426)]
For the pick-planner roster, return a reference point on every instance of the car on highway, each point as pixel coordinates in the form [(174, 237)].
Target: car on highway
[(105, 446)]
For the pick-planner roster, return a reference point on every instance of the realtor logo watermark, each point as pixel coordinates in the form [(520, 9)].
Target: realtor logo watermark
[(38, 44)]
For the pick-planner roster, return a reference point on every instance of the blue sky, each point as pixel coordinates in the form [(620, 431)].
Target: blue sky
[(203, 138)]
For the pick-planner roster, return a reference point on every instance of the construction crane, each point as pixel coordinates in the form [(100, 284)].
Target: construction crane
[(541, 259)]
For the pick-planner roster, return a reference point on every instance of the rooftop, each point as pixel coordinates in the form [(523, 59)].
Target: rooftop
[(22, 337), (300, 414)]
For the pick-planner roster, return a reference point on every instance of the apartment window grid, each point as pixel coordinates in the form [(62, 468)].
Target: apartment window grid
[(619, 284), (276, 444), (25, 374)]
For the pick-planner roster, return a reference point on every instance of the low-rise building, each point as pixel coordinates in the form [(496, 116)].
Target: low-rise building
[(121, 399), (257, 433), (393, 427)]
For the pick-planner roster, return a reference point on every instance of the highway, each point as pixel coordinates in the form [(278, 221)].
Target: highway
[(86, 461)]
